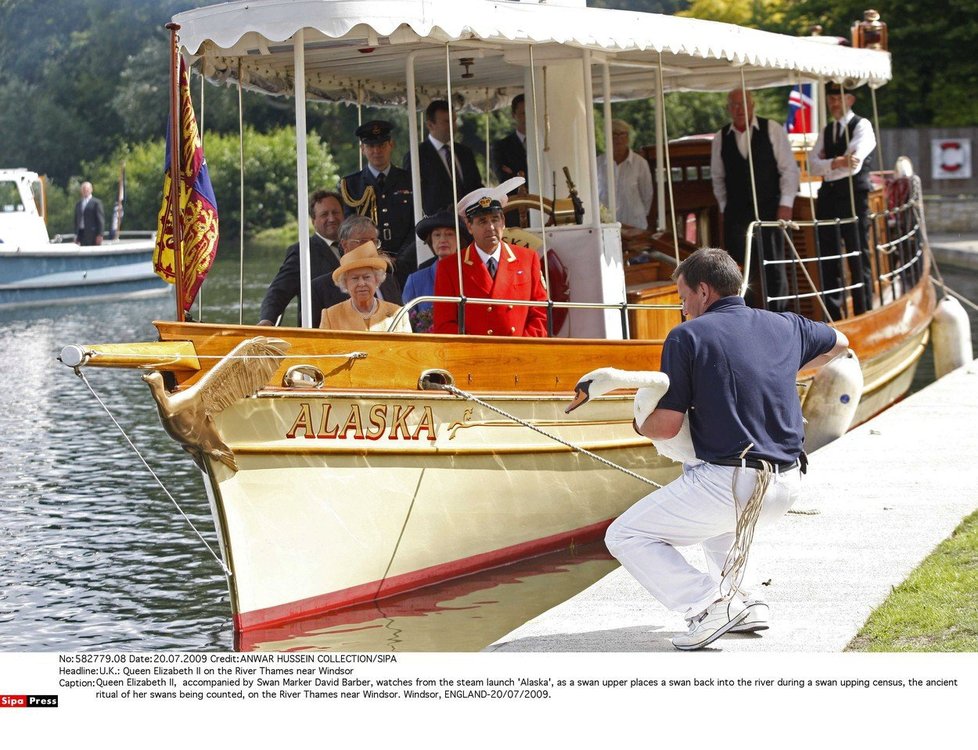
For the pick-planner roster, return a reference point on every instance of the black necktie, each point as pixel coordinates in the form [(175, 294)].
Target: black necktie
[(445, 149), (838, 131), (380, 182), (491, 267)]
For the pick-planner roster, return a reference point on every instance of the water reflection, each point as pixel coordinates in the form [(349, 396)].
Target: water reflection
[(462, 615)]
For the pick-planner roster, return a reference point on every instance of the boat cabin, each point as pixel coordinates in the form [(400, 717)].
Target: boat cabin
[(21, 210)]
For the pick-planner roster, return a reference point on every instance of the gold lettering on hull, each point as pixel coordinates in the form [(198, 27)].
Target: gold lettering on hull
[(397, 422)]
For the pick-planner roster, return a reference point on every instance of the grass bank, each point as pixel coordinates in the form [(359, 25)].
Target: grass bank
[(936, 608)]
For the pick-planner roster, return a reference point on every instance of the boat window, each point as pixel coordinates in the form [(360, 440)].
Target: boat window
[(705, 172), (677, 174), (10, 198), (692, 174)]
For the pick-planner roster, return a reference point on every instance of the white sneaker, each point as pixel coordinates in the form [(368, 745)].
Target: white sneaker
[(757, 617), (709, 625)]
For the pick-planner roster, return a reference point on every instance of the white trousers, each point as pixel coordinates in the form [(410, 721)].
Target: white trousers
[(696, 508)]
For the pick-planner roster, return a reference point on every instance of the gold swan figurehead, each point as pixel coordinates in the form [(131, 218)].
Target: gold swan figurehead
[(650, 385), (188, 415)]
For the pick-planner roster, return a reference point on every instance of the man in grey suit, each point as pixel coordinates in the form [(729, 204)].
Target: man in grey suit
[(89, 218)]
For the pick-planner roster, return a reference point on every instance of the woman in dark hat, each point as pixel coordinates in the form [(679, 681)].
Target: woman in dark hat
[(438, 232)]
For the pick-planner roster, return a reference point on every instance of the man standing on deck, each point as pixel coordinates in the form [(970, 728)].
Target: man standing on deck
[(508, 155), (326, 212), (490, 269), (89, 218), (732, 369), (842, 155), (382, 192), (633, 179), (776, 180), (435, 163)]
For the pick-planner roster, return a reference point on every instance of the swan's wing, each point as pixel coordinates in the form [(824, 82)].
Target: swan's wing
[(241, 373), (678, 448), (647, 397)]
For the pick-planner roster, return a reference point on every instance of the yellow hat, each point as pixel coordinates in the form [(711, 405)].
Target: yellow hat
[(362, 256)]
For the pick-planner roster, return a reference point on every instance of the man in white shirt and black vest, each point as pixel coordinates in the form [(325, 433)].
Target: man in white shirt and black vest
[(776, 178), (844, 150)]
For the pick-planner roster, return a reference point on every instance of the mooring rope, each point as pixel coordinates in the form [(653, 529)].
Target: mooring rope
[(575, 448), (79, 373), (953, 293), (347, 355)]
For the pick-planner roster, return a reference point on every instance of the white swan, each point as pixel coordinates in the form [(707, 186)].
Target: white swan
[(651, 385)]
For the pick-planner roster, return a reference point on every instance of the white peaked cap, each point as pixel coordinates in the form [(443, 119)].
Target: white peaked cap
[(496, 194)]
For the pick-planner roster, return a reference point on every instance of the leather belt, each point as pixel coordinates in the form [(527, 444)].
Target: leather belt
[(754, 463)]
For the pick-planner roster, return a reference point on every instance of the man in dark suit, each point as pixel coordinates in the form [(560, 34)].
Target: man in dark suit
[(382, 192), (435, 159), (326, 211), (354, 232), (508, 155), (89, 218), (491, 269)]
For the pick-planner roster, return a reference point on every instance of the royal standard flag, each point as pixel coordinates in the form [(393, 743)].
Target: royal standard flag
[(198, 206)]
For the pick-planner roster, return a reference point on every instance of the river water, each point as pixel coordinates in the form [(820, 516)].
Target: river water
[(95, 556)]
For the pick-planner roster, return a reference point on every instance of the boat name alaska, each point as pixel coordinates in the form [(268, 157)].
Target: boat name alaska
[(396, 420)]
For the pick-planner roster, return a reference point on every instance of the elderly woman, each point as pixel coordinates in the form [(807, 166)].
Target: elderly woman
[(360, 273), (438, 232)]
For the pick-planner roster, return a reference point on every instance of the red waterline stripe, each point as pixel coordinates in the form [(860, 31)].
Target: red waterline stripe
[(367, 592)]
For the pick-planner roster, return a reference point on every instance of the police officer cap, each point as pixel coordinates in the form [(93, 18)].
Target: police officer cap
[(485, 200), (374, 132)]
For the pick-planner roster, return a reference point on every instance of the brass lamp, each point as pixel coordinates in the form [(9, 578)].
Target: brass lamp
[(870, 33)]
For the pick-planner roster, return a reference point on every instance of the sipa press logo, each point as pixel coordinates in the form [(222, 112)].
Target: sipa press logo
[(28, 701)]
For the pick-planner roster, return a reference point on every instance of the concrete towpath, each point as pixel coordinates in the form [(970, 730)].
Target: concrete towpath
[(881, 498), (956, 249)]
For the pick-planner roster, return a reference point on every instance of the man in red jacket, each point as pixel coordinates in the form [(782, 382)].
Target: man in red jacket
[(491, 269)]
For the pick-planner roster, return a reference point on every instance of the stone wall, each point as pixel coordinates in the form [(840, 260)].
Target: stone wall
[(951, 214)]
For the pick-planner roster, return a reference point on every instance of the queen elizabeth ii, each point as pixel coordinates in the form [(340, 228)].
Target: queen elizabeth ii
[(360, 274)]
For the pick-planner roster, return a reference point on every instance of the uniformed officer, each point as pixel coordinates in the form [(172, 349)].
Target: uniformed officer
[(491, 269), (382, 192)]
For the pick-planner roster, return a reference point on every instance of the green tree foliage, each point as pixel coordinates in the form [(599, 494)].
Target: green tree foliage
[(934, 69), (269, 181)]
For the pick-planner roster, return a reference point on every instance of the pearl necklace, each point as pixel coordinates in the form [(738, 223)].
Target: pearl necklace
[(366, 315)]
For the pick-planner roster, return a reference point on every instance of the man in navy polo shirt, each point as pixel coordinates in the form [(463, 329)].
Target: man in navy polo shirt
[(732, 369)]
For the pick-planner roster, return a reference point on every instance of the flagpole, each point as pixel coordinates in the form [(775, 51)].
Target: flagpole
[(175, 175)]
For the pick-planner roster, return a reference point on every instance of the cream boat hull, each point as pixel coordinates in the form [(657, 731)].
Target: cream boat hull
[(343, 498)]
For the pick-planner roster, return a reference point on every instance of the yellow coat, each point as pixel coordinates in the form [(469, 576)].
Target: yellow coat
[(344, 317)]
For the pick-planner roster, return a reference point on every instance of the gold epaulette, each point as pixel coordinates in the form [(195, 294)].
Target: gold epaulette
[(365, 205)]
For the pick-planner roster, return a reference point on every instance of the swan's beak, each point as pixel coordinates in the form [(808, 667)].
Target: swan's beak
[(581, 395)]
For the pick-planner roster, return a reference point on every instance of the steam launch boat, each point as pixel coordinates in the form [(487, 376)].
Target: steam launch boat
[(345, 467), (36, 271)]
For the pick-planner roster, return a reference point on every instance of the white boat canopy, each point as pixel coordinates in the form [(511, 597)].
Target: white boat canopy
[(355, 50)]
